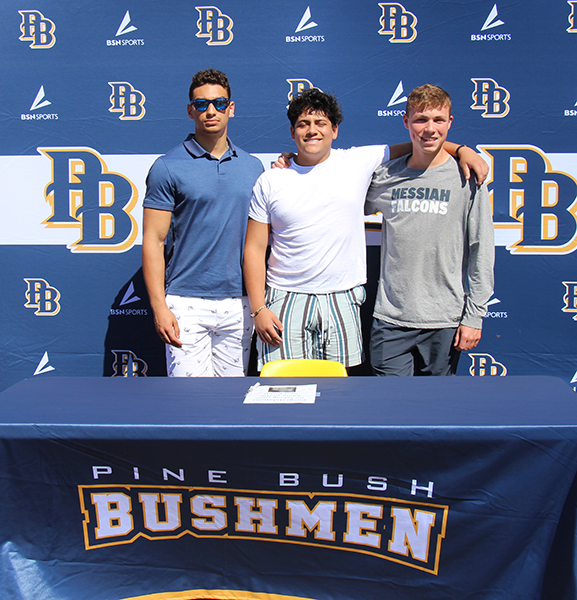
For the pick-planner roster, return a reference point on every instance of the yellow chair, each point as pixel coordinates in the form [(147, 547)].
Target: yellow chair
[(303, 367)]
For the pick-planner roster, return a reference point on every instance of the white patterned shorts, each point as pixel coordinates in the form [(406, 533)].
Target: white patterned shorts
[(215, 335)]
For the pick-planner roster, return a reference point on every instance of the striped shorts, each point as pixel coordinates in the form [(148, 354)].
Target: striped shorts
[(321, 326)]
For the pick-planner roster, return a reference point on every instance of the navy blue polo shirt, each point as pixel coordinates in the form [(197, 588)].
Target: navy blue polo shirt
[(209, 200)]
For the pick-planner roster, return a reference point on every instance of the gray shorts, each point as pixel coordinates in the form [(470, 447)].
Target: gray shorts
[(403, 351), (320, 326)]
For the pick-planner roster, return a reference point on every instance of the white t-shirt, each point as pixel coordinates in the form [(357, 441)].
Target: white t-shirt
[(317, 220)]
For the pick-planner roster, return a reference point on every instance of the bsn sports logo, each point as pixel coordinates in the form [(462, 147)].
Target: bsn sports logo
[(570, 298), (297, 87), (534, 207), (85, 195), (398, 98), (40, 101), (398, 22), (127, 101), (37, 29), (305, 23), (124, 29), (214, 25), (484, 364), (42, 297), (491, 22), (125, 307), (44, 366), (491, 98), (572, 16), (127, 364)]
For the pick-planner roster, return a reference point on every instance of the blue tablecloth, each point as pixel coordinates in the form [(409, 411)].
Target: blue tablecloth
[(417, 488)]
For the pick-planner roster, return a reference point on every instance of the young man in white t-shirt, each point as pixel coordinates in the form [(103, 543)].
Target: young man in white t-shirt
[(307, 303)]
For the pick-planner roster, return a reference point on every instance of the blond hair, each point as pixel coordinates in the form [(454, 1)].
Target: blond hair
[(428, 96)]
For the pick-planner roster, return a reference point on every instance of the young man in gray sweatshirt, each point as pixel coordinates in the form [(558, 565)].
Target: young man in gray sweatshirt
[(437, 250)]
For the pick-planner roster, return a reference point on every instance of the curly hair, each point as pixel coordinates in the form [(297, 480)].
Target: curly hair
[(315, 101)]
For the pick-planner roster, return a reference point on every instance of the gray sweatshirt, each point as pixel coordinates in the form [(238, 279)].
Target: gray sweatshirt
[(437, 248)]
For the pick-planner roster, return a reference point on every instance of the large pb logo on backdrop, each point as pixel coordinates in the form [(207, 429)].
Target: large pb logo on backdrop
[(397, 22), (37, 29), (42, 297), (214, 25), (533, 204), (491, 98), (127, 101), (85, 195)]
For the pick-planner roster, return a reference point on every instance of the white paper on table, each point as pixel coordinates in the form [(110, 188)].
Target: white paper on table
[(281, 394)]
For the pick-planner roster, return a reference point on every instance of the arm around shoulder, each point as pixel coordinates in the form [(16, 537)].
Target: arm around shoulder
[(398, 150), (469, 161)]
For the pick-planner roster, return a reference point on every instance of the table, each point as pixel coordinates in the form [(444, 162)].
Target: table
[(416, 488)]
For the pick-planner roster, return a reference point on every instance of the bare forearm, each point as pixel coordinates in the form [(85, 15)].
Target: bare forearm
[(254, 272), (398, 150), (451, 148), (155, 228), (153, 267), (267, 325)]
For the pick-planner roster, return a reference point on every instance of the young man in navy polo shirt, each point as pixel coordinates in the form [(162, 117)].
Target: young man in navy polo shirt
[(199, 193)]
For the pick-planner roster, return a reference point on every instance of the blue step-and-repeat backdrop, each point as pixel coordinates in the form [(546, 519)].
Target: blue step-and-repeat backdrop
[(92, 93)]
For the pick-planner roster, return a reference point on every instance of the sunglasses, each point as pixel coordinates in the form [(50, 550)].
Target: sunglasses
[(220, 104)]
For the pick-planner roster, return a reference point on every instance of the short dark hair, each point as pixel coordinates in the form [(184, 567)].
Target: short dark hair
[(209, 76), (315, 101), (428, 96)]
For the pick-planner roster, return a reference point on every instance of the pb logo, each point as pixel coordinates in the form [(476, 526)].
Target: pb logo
[(85, 195), (491, 98), (37, 29), (485, 364), (297, 87), (572, 16), (43, 297), (397, 22), (127, 101), (570, 298), (127, 364), (214, 25), (533, 205)]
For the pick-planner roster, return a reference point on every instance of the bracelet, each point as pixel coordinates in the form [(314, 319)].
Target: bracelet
[(255, 313), (457, 150)]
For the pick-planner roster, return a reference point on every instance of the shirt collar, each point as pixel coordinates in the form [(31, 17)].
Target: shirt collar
[(198, 151)]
